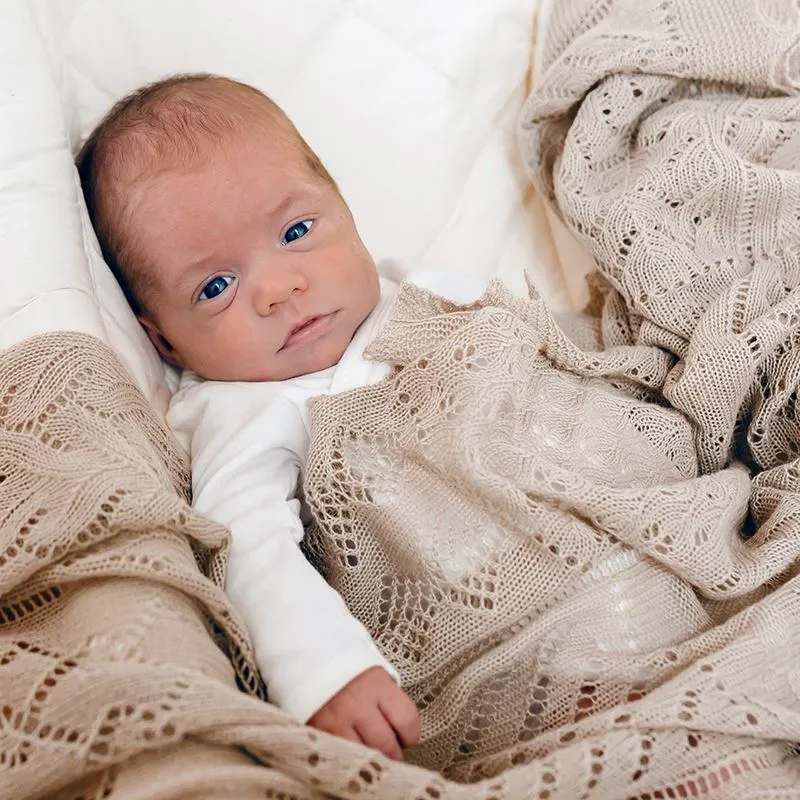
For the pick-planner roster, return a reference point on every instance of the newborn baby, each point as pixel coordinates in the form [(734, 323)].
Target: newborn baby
[(242, 261)]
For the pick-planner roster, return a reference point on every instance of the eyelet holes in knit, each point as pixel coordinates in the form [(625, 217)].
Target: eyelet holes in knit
[(16, 610), (536, 716), (6, 399), (151, 722), (710, 782), (406, 611), (28, 722), (25, 541), (21, 543)]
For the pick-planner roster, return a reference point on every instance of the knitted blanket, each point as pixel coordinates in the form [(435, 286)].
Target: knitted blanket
[(577, 538)]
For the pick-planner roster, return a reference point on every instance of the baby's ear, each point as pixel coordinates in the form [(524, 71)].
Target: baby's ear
[(165, 349)]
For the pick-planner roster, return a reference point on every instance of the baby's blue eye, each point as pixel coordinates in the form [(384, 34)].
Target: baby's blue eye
[(215, 287), (297, 231)]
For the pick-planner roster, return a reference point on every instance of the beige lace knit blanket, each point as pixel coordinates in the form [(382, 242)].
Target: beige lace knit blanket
[(578, 539)]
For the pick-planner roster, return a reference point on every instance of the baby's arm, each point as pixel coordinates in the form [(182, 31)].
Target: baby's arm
[(311, 651)]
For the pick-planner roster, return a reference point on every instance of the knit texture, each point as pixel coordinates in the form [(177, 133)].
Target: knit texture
[(577, 538)]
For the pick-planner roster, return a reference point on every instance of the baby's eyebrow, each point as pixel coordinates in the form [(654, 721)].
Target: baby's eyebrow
[(194, 271), (283, 206)]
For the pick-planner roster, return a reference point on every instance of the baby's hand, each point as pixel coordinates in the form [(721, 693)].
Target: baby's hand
[(374, 710)]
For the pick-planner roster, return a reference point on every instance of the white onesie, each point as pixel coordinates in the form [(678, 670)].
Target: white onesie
[(249, 444)]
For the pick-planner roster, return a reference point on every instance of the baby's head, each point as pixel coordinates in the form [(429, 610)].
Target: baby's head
[(230, 239)]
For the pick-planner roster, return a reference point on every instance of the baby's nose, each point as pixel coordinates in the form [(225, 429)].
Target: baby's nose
[(276, 288)]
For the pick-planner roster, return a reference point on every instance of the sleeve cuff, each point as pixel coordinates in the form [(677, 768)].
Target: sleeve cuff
[(303, 699)]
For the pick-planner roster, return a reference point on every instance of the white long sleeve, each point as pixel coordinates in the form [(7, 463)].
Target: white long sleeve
[(246, 458)]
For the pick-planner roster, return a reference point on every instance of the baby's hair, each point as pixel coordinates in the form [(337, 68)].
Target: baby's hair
[(162, 126)]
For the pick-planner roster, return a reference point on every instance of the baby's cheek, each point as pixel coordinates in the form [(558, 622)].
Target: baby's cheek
[(331, 350), (231, 344)]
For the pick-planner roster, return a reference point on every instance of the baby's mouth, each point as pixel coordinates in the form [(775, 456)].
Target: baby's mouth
[(308, 329)]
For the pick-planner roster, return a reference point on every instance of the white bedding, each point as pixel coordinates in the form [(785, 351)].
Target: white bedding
[(412, 105)]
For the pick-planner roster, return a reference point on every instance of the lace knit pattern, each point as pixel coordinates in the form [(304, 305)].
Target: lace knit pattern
[(576, 538)]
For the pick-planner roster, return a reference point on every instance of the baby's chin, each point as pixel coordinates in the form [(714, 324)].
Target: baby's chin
[(277, 369), (316, 362)]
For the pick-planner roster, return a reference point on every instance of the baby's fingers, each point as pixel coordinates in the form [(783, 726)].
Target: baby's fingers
[(376, 732), (328, 723), (403, 717)]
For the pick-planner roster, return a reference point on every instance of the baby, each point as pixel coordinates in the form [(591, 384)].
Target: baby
[(242, 261)]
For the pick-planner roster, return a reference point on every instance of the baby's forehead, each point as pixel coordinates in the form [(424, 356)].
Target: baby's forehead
[(182, 135)]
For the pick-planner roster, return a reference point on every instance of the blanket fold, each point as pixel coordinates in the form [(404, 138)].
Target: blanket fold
[(577, 538)]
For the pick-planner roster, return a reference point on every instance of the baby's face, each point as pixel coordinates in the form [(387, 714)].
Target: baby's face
[(255, 269)]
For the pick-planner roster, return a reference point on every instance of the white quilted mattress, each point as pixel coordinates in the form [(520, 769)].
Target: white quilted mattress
[(412, 105)]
